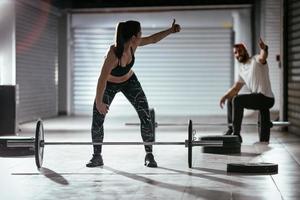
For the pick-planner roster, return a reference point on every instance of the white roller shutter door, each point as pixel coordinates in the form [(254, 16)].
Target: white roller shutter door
[(271, 31), (184, 74)]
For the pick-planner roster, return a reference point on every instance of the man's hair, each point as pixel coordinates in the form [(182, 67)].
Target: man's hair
[(240, 45)]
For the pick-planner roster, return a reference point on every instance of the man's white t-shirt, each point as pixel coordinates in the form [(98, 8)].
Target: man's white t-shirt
[(256, 76)]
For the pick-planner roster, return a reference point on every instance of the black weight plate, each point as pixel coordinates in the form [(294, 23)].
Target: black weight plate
[(261, 167), (190, 147), (224, 138), (39, 149), (231, 145), (221, 150), (6, 151)]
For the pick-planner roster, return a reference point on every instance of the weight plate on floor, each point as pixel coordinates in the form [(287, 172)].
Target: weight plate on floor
[(39, 149), (221, 150), (190, 147), (231, 145), (261, 167), (224, 138)]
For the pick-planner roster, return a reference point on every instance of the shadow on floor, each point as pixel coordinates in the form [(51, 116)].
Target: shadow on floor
[(48, 173), (209, 177), (53, 176), (215, 171), (246, 154), (198, 192)]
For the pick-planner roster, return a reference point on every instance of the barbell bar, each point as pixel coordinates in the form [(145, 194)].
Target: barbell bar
[(39, 143), (275, 123), (195, 143), (156, 124)]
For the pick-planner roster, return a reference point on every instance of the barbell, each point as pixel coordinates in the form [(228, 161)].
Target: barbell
[(263, 129), (38, 143), (156, 124), (275, 123)]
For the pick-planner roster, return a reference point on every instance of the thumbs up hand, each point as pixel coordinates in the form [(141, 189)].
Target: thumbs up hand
[(175, 27)]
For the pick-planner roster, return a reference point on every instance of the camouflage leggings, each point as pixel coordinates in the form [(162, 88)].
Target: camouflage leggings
[(134, 93)]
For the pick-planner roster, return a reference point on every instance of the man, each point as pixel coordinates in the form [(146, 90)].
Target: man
[(254, 73)]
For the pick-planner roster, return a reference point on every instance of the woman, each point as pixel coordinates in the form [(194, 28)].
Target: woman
[(117, 75)]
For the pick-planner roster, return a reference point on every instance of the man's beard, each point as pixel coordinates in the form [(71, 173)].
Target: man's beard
[(242, 59)]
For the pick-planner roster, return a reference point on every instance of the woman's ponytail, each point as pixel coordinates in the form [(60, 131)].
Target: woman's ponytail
[(125, 30), (120, 40)]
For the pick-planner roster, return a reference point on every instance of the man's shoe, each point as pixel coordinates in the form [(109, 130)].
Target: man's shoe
[(95, 161), (149, 160), (228, 132), (240, 138)]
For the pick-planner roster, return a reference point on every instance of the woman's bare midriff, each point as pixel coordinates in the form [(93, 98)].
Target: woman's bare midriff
[(120, 79)]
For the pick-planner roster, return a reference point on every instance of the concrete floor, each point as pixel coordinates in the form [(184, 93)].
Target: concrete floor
[(64, 175)]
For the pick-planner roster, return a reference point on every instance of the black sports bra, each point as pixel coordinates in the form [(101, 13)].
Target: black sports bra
[(120, 70)]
